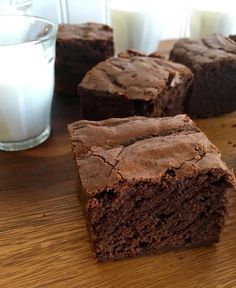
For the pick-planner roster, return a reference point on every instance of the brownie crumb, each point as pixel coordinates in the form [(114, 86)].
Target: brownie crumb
[(223, 125), (229, 142), (234, 145), (233, 125)]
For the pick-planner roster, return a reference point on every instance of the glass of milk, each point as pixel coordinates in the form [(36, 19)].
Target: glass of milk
[(137, 24), (208, 17), (27, 54)]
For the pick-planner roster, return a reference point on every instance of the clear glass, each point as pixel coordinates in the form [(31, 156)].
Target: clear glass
[(137, 24), (15, 6), (27, 55)]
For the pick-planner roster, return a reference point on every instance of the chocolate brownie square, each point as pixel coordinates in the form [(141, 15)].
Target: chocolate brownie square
[(134, 84), (149, 185), (79, 47), (213, 62)]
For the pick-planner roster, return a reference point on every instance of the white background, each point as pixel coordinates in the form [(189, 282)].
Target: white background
[(78, 11), (174, 12)]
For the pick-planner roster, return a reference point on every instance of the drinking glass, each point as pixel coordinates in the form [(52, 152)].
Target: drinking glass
[(27, 55), (137, 24)]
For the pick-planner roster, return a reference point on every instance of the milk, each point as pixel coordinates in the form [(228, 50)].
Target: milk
[(205, 22), (208, 17), (26, 89), (134, 30), (135, 26)]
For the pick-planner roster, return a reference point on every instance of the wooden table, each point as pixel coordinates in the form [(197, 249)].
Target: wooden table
[(43, 238)]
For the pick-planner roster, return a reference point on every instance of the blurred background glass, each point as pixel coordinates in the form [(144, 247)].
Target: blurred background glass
[(140, 24), (212, 16), (136, 25)]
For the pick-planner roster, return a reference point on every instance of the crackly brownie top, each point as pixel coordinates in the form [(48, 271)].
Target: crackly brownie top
[(194, 53), (135, 75), (86, 31), (139, 148)]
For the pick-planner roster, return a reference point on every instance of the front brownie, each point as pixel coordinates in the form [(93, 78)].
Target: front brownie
[(134, 84), (213, 62), (149, 185), (79, 47)]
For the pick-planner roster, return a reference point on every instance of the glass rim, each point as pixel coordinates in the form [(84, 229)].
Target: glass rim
[(49, 34)]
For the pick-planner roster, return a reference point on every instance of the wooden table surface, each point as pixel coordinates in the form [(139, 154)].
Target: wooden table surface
[(43, 237)]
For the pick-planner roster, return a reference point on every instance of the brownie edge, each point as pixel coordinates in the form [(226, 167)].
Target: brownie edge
[(149, 185)]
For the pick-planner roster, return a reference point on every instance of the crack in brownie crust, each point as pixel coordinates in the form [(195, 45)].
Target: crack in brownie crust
[(149, 185)]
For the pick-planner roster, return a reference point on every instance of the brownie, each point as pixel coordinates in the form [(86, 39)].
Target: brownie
[(149, 185), (79, 47), (233, 37), (134, 84), (213, 62)]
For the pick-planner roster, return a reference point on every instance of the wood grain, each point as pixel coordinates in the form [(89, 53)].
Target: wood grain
[(43, 238)]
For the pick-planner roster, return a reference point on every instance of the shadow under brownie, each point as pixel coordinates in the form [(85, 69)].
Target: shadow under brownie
[(149, 185)]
